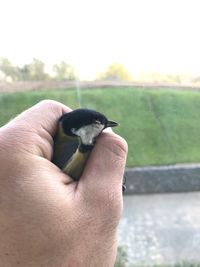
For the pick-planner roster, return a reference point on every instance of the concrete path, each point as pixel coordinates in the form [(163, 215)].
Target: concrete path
[(161, 228)]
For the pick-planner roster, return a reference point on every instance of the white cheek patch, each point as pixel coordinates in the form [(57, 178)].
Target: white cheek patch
[(89, 132)]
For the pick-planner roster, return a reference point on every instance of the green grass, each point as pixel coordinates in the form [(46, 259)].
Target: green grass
[(160, 126)]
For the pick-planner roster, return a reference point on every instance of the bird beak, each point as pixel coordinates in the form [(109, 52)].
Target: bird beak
[(111, 124)]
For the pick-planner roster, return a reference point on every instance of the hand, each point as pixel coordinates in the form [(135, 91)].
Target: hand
[(45, 219)]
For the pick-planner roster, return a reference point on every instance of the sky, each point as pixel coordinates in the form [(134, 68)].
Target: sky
[(144, 35)]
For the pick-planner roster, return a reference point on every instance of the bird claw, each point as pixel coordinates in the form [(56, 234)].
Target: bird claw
[(123, 188), (124, 184)]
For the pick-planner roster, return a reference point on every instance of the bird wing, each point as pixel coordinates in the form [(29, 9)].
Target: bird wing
[(64, 147)]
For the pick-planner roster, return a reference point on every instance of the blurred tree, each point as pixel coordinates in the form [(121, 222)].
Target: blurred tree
[(64, 71), (25, 72), (156, 77), (122, 257), (196, 79), (9, 70), (115, 71), (34, 71)]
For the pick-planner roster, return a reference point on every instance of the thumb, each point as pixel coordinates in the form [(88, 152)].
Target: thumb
[(103, 174)]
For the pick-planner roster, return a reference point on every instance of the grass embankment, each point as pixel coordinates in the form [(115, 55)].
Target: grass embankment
[(160, 126)]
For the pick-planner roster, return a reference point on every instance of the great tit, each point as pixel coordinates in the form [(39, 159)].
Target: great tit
[(75, 138)]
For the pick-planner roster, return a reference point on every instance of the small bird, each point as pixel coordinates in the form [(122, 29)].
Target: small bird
[(75, 138)]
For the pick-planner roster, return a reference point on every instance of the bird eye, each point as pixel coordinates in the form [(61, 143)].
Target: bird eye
[(97, 122), (73, 130)]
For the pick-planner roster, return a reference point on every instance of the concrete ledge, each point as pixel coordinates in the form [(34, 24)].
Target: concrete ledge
[(164, 179)]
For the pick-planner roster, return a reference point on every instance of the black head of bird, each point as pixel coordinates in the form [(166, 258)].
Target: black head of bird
[(75, 138), (85, 124)]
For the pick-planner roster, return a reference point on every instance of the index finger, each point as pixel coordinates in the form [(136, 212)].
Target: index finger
[(43, 115), (34, 129)]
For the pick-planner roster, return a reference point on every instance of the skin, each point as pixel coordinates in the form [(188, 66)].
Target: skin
[(45, 218)]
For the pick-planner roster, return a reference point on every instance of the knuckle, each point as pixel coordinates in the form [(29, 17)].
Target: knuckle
[(53, 105), (109, 202), (111, 209), (120, 146), (49, 104), (105, 202), (117, 145)]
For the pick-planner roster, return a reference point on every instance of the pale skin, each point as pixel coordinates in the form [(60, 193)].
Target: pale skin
[(46, 220)]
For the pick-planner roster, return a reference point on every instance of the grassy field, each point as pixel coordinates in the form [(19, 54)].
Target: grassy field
[(160, 126)]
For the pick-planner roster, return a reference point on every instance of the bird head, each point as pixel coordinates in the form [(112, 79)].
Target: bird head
[(85, 124)]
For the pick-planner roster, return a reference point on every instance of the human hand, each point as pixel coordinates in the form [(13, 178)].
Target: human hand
[(45, 218)]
